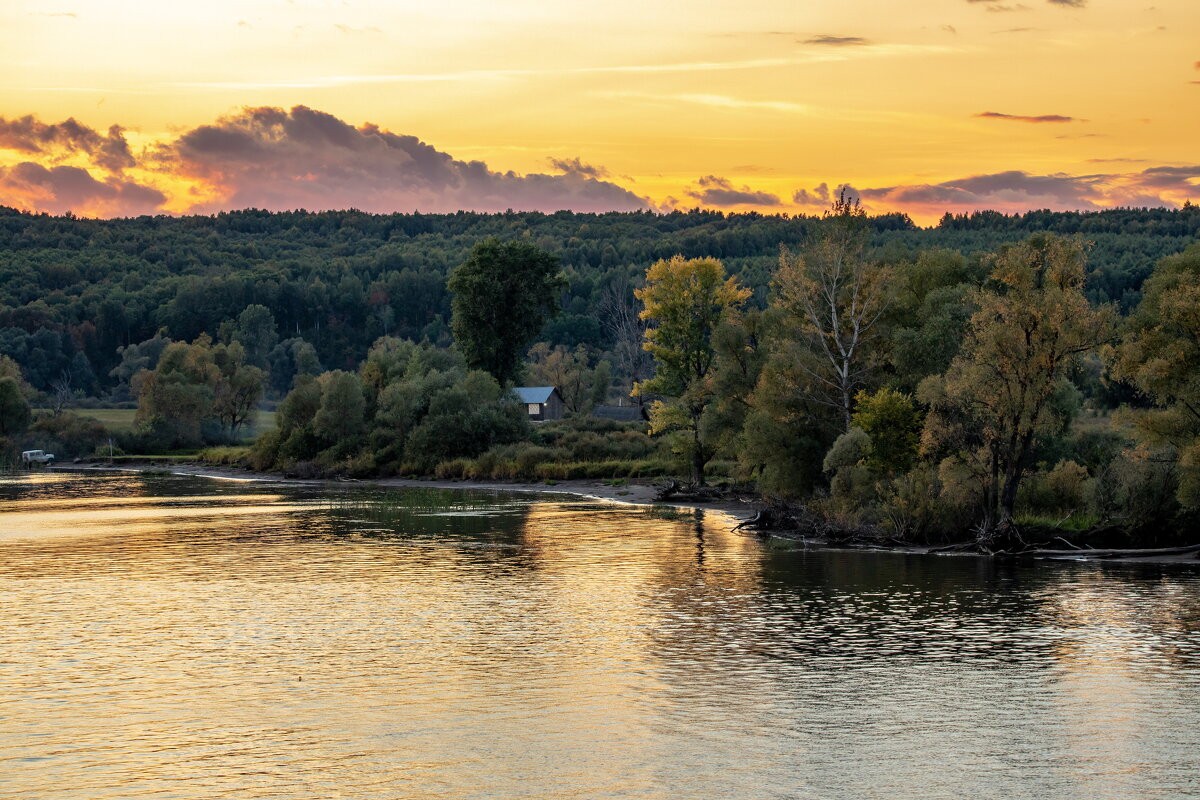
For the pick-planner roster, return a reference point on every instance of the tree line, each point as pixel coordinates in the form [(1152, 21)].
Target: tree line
[(75, 294)]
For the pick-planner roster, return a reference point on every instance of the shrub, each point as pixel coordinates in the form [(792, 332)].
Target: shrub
[(360, 466), (1068, 484), (1137, 494), (848, 450), (893, 425), (304, 470), (225, 455), (917, 505), (453, 470), (107, 451), (264, 453), (67, 435), (911, 504)]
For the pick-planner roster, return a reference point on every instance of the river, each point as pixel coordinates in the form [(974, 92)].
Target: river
[(180, 637)]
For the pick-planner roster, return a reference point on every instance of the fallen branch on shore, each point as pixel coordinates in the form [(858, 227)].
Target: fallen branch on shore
[(690, 492)]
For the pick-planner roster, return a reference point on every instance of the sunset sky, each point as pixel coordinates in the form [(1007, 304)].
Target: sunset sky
[(114, 108)]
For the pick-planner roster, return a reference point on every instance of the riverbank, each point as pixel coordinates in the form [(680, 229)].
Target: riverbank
[(630, 492)]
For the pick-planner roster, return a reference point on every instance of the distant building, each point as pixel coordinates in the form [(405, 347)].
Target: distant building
[(542, 402)]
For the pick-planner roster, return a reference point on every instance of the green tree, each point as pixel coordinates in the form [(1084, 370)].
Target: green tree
[(1004, 390), (685, 300), (176, 398), (15, 413), (238, 389), (892, 422), (340, 418), (502, 296), (1160, 354), (257, 333), (569, 370)]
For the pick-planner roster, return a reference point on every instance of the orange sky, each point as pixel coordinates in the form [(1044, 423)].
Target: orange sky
[(735, 105)]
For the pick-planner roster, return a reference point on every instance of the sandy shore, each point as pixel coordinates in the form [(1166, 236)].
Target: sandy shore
[(632, 493)]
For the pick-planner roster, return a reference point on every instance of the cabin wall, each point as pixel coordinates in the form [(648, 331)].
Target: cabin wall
[(553, 408)]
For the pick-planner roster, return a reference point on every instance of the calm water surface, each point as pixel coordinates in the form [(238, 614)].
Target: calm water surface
[(171, 637)]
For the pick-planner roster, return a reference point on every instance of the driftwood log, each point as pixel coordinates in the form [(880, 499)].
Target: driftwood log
[(689, 492)]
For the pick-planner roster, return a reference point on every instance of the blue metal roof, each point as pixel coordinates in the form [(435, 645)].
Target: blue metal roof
[(534, 394)]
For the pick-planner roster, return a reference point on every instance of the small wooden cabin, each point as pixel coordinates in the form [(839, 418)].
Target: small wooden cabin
[(542, 402)]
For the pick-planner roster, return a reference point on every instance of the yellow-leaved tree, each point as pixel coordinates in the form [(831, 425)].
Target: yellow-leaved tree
[(684, 301)]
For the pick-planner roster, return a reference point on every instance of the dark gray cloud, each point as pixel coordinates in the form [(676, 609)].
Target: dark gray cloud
[(61, 189), (276, 159), (1068, 3), (715, 191), (1014, 190), (574, 166), (817, 196), (1021, 118), (837, 41), (28, 134), (1169, 178)]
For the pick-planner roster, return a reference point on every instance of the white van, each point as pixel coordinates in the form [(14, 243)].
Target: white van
[(37, 458)]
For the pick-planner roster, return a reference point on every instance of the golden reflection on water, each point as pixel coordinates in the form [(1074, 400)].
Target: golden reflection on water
[(176, 637)]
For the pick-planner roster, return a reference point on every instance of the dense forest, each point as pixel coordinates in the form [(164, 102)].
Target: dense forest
[(77, 294)]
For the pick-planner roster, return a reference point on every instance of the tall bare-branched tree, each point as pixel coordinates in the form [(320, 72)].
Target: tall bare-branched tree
[(620, 314), (832, 296)]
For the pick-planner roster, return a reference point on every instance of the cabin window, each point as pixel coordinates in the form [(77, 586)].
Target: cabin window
[(534, 408)]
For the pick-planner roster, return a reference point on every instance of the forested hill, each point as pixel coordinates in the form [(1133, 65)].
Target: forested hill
[(74, 290)]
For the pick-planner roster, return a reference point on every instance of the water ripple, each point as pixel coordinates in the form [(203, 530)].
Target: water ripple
[(171, 637)]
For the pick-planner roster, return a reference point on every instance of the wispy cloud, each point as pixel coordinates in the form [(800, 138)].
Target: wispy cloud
[(866, 50), (1042, 118), (714, 101), (837, 41)]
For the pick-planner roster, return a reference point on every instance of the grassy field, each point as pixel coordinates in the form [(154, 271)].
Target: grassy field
[(121, 419)]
